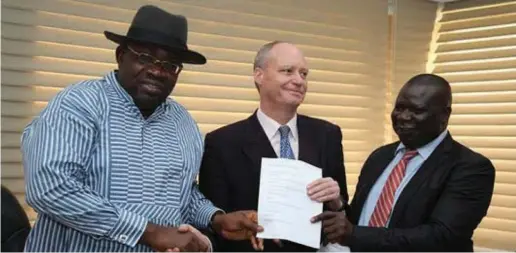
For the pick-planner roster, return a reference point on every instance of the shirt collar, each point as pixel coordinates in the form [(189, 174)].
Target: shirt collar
[(270, 126), (426, 150), (122, 93)]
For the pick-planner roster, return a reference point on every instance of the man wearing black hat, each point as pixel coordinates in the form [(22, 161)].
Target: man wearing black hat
[(110, 164)]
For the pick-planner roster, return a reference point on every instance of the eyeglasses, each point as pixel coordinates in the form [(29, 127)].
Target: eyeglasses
[(148, 60)]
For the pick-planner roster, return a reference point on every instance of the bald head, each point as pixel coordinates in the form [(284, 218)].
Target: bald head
[(434, 84), (264, 53), (422, 110)]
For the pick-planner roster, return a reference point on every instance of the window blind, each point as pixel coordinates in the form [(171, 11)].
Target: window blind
[(412, 30), (49, 44), (475, 51)]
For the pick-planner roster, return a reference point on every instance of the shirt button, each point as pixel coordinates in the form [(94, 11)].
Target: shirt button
[(122, 238)]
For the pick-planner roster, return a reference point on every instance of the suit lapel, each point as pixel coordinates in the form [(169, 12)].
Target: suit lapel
[(431, 165), (257, 144), (371, 173), (308, 149)]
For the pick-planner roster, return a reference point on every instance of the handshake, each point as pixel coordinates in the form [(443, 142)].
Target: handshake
[(240, 225)]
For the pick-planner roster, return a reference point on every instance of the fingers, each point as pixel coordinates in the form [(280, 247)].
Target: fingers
[(278, 242), (205, 242), (236, 235), (202, 241), (240, 225), (252, 215), (326, 215), (335, 232), (326, 195), (257, 243), (250, 225), (335, 237), (331, 228), (317, 186), (196, 232), (242, 220), (254, 242), (330, 223), (227, 235), (318, 182), (183, 228), (324, 191)]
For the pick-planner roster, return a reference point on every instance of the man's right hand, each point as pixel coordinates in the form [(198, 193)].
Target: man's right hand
[(238, 225), (161, 238), (258, 243)]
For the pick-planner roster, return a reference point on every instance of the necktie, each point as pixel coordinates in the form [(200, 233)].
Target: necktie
[(383, 207), (285, 149)]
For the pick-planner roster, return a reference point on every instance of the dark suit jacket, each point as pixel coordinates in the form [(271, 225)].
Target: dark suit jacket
[(15, 223), (439, 208), (230, 170)]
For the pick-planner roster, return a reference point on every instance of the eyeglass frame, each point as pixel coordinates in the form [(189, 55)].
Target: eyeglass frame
[(155, 61)]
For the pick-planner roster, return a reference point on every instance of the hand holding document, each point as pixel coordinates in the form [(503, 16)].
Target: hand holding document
[(284, 208)]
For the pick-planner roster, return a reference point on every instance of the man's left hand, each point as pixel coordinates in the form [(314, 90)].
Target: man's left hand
[(239, 225), (335, 225), (325, 190)]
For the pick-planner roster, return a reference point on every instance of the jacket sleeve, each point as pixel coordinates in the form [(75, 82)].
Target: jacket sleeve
[(212, 176), (213, 184), (460, 208), (336, 161)]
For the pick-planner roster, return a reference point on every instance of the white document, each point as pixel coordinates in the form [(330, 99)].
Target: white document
[(284, 208)]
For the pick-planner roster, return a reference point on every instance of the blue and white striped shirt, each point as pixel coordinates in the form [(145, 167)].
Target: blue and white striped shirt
[(96, 171)]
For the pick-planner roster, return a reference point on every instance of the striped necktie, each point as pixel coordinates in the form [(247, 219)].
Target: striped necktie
[(383, 207)]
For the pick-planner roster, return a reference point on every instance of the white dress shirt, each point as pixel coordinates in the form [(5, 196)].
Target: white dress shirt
[(271, 128)]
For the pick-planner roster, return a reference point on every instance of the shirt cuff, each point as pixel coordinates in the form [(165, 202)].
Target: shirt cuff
[(128, 229), (203, 218)]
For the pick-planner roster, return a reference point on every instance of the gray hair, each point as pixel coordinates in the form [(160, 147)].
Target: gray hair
[(261, 57)]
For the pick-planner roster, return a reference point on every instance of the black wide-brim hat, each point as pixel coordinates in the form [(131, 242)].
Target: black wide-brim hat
[(156, 26)]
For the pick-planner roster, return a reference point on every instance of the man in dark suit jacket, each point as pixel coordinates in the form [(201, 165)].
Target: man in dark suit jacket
[(230, 171), (425, 193)]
